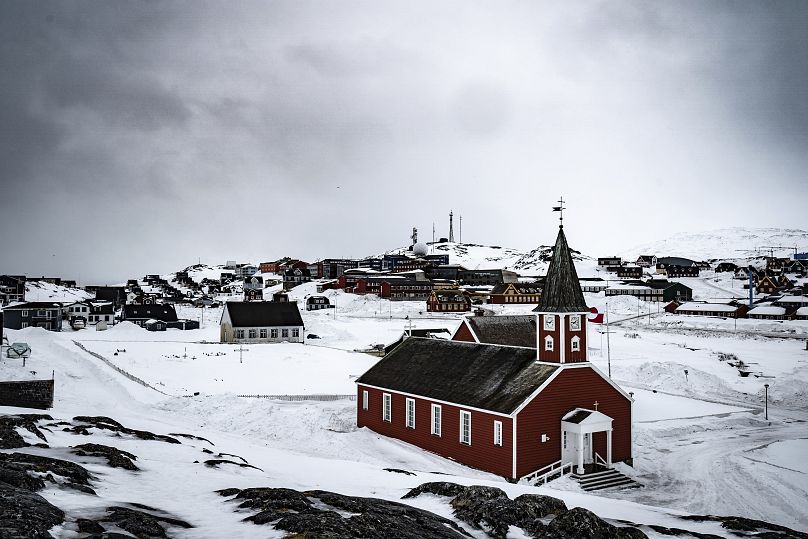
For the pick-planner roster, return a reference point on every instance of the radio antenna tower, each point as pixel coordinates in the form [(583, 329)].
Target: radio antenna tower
[(414, 236), (451, 227), (461, 230)]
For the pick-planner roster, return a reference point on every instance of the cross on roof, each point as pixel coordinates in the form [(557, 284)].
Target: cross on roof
[(596, 406)]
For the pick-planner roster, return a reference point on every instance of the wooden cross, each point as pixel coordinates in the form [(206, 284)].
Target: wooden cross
[(596, 406)]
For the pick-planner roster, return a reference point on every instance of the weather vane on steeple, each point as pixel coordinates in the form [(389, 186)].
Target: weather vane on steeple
[(560, 209)]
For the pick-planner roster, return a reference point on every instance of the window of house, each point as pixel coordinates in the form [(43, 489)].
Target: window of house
[(465, 427), (549, 322), (253, 334), (410, 422), (295, 332), (24, 325), (564, 439), (284, 333), (239, 334), (498, 433), (25, 314), (273, 333), (365, 399), (436, 412), (576, 344), (548, 343), (575, 322), (263, 333), (387, 404)]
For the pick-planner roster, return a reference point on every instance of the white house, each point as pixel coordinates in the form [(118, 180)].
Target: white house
[(261, 322)]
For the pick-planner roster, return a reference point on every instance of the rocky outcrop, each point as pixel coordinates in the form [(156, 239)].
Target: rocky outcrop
[(116, 458), (26, 514), (106, 423), (141, 523), (317, 513), (490, 509), (73, 475), (750, 526), (580, 523), (10, 438), (214, 463)]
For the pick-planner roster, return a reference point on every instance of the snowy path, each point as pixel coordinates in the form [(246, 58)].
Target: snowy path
[(705, 467)]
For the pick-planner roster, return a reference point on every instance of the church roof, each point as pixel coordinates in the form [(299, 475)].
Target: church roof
[(495, 378), (562, 290), (509, 330)]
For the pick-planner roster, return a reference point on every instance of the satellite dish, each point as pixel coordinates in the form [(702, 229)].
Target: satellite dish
[(420, 249)]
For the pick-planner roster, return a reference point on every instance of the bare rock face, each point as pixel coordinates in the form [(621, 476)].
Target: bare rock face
[(141, 523), (320, 514), (10, 438), (116, 458), (75, 476), (106, 423), (580, 523), (490, 509), (26, 514)]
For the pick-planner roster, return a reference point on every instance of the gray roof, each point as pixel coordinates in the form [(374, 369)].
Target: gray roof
[(495, 378), (263, 313), (516, 330), (162, 311), (562, 290)]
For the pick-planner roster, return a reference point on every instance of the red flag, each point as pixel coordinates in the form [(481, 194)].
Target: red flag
[(598, 318)]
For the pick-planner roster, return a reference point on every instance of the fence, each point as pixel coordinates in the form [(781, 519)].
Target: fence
[(296, 398), (120, 370)]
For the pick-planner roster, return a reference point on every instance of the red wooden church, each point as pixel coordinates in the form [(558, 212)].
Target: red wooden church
[(500, 408)]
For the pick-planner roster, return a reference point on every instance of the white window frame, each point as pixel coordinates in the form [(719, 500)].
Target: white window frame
[(548, 344), (24, 325), (387, 407), (498, 433), (263, 333), (575, 322), (549, 322), (576, 344), (273, 333), (410, 416), (437, 414), (365, 399), (465, 438), (284, 333), (239, 334), (25, 314), (252, 333)]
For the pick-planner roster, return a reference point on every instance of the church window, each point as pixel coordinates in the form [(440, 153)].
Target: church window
[(548, 343), (576, 344)]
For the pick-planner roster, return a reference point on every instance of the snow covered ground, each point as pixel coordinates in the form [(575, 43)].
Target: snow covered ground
[(701, 442)]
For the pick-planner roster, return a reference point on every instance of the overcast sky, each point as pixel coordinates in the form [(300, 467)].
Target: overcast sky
[(142, 136)]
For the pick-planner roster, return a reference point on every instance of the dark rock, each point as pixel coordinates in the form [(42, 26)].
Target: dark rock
[(206, 450), (191, 437), (396, 470), (538, 506), (74, 473), (227, 492), (440, 488), (242, 459), (742, 524), (116, 458), (81, 488), (316, 514), (10, 438), (85, 525), (140, 523), (105, 423), (580, 523), (216, 462), (17, 476), (26, 514)]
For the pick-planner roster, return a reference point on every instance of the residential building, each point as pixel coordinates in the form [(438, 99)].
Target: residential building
[(41, 314), (515, 293), (448, 301), (315, 303), (140, 314), (261, 322)]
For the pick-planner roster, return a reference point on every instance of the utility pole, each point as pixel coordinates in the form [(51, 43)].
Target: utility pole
[(766, 408), (461, 229), (608, 346)]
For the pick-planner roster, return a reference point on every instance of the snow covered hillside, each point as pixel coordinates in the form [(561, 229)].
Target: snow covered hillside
[(725, 243), (42, 291), (473, 256)]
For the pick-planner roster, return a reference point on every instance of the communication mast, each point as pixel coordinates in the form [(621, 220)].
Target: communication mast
[(451, 228)]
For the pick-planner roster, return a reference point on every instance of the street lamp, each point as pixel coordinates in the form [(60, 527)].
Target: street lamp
[(766, 405)]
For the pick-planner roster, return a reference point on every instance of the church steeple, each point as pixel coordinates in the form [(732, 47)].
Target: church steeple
[(561, 312)]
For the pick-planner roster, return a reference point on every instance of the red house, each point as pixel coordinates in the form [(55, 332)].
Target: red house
[(501, 408)]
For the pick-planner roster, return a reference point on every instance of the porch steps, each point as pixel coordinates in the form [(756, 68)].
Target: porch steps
[(605, 479)]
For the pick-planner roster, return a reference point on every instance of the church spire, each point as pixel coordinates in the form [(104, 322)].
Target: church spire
[(561, 292)]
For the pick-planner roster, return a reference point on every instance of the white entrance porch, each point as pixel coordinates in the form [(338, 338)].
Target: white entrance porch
[(577, 446)]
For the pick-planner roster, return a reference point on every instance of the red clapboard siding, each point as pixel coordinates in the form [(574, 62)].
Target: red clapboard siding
[(463, 333), (481, 454), (572, 388), (553, 356), (580, 355)]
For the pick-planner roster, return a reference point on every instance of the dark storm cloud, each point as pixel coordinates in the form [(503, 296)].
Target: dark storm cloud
[(176, 130)]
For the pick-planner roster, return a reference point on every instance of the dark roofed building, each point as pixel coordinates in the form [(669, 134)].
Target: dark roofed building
[(261, 322), (515, 293), (140, 314), (505, 409), (41, 314), (508, 330)]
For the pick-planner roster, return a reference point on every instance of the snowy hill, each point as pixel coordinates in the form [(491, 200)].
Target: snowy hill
[(474, 256), (728, 243), (42, 291)]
